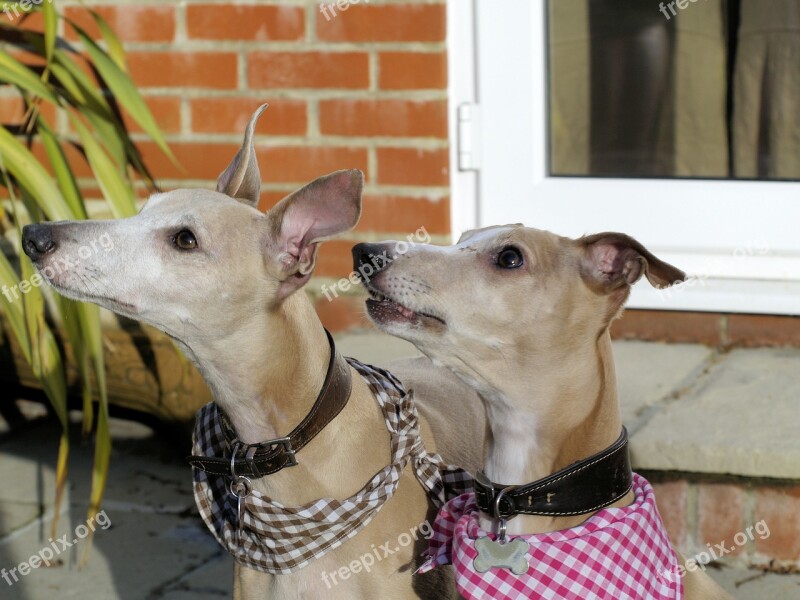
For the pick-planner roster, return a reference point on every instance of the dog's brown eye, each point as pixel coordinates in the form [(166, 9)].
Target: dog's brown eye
[(185, 240), (509, 258)]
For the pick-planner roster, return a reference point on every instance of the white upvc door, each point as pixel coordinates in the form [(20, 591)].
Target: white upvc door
[(740, 238)]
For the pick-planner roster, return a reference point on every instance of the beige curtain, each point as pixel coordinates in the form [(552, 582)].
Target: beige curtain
[(766, 91), (764, 137)]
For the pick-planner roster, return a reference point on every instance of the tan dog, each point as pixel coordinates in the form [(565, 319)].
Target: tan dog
[(222, 278), (523, 316)]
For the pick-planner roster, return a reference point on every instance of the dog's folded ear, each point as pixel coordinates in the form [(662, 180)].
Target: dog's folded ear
[(324, 208), (242, 179), (613, 260)]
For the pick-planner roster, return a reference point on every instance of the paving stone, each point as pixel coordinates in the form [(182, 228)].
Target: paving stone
[(375, 348), (648, 373), (141, 463), (138, 554), (739, 418), (751, 584)]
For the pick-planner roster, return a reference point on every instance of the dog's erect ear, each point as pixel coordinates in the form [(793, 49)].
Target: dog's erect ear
[(613, 260), (325, 207), (242, 179)]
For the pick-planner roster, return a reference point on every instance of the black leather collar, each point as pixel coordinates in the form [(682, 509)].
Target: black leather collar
[(585, 486), (265, 458)]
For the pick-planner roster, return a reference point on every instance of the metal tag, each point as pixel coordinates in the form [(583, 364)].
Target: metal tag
[(511, 555)]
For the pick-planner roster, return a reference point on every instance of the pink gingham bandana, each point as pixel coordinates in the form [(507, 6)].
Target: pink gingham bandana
[(618, 553)]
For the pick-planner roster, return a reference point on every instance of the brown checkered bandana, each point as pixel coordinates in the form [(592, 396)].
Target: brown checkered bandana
[(274, 538)]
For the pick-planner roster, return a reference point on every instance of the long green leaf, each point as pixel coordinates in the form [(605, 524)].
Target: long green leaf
[(14, 72), (116, 191), (124, 91), (9, 280), (22, 164), (64, 177), (71, 321), (113, 45), (50, 29)]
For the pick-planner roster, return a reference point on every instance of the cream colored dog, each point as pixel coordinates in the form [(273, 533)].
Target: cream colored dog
[(222, 279), (522, 316)]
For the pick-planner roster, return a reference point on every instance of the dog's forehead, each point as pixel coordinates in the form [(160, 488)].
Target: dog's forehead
[(202, 204), (491, 237)]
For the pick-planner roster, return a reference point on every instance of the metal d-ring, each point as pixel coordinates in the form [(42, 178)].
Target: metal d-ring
[(240, 486), (501, 530)]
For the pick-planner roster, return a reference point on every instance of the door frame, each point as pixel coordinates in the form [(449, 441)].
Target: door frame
[(733, 236)]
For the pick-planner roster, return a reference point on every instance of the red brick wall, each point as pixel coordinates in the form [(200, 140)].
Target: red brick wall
[(700, 514), (364, 89)]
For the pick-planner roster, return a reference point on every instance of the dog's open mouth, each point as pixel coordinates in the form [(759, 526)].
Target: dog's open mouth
[(384, 310)]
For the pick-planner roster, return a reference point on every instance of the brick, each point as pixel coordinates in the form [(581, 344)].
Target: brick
[(216, 70), (271, 198), (31, 21), (779, 508), (409, 166), (230, 115), (335, 259), (763, 330), (131, 23), (668, 326), (166, 111), (400, 118), (720, 512), (345, 70), (412, 70), (671, 502), (203, 161), (236, 22), (398, 215), (302, 164), (387, 23), (343, 313), (13, 109)]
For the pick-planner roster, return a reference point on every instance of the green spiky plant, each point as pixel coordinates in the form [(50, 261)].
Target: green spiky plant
[(93, 112)]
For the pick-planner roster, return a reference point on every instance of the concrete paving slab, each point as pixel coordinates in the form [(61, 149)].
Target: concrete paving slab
[(648, 373), (752, 584), (739, 418), (136, 557), (375, 348), (210, 581), (141, 461)]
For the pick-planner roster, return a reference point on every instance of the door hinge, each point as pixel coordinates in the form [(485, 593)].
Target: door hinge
[(469, 149)]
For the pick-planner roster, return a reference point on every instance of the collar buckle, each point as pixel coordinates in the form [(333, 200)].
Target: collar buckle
[(286, 444)]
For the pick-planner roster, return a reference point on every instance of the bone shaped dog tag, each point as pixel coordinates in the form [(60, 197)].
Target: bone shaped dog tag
[(494, 555)]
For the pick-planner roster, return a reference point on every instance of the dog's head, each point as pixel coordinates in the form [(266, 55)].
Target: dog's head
[(199, 260), (507, 293)]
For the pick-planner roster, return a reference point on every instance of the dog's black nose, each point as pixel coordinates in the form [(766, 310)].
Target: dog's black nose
[(374, 255), (37, 240)]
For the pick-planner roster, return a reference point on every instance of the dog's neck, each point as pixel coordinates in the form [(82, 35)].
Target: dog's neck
[(569, 412), (267, 372)]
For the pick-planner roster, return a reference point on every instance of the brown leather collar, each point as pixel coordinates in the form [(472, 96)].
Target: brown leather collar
[(585, 486), (265, 458)]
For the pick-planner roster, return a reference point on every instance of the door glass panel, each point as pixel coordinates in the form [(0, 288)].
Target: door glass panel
[(685, 88)]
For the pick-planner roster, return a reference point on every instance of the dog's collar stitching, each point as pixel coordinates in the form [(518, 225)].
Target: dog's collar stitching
[(611, 465), (271, 456)]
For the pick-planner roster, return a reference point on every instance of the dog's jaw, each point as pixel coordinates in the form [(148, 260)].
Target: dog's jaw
[(394, 317)]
